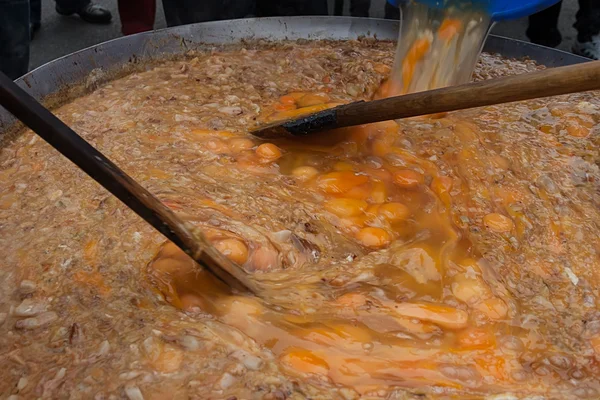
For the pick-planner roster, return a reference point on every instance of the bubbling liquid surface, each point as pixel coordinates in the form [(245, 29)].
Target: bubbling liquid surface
[(453, 256), (390, 326), (415, 305), (375, 320)]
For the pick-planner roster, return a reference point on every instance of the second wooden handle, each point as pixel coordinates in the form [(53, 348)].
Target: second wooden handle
[(549, 82)]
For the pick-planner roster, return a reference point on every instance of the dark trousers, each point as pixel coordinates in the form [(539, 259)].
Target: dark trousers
[(15, 17), (35, 11), (587, 20), (392, 12), (181, 12), (14, 37), (288, 8), (360, 8), (543, 26)]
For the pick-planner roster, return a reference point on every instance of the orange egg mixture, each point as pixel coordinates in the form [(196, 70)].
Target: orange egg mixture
[(446, 257)]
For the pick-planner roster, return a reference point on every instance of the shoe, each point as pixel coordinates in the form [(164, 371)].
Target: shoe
[(33, 28), (92, 13), (589, 49)]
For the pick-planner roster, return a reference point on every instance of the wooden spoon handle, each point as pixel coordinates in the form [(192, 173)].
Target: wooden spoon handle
[(549, 82), (106, 173)]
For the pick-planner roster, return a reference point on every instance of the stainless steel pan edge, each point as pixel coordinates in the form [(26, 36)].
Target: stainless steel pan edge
[(88, 65)]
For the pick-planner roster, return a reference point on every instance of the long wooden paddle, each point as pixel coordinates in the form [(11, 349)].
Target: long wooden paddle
[(549, 82)]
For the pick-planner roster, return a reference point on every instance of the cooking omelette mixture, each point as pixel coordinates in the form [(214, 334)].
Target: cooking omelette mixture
[(450, 256)]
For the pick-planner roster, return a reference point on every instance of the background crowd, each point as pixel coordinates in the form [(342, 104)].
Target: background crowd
[(20, 20)]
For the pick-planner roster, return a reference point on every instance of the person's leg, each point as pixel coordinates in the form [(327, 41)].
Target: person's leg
[(171, 14), (391, 12), (181, 12), (360, 8), (543, 27), (338, 7), (35, 17), (137, 15), (35, 14), (587, 20), (14, 37), (273, 8), (88, 11), (587, 25)]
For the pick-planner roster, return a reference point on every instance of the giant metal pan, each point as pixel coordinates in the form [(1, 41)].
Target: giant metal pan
[(119, 54)]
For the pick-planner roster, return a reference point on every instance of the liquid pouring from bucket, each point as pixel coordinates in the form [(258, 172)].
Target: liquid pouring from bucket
[(440, 40), (499, 10)]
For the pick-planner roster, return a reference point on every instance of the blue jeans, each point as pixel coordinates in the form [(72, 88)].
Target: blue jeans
[(14, 37)]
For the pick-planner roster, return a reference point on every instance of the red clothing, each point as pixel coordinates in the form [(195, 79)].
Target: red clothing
[(137, 15)]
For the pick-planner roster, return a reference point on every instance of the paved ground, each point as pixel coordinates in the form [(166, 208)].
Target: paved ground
[(63, 35)]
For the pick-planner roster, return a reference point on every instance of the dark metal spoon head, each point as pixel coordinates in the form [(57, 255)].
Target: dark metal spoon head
[(301, 126)]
